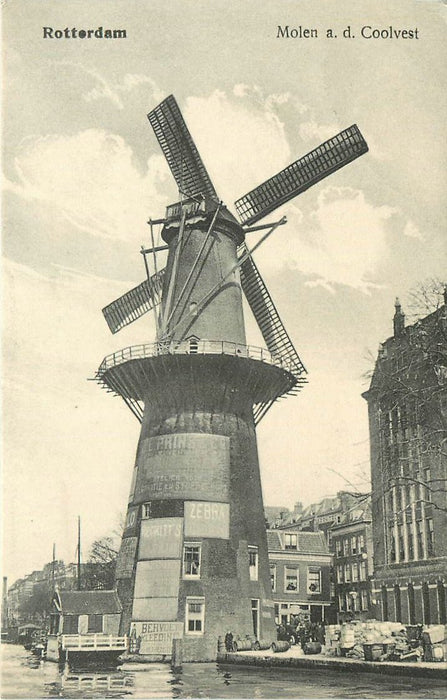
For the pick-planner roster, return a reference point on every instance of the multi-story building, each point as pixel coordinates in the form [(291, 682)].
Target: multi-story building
[(18, 595), (300, 564), (28, 599), (407, 406), (321, 516), (352, 542)]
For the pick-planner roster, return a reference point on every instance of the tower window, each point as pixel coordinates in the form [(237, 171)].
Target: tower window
[(193, 346), (195, 616), (146, 510), (191, 560), (253, 563)]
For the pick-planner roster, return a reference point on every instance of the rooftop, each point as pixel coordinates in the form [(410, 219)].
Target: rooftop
[(88, 602), (306, 542)]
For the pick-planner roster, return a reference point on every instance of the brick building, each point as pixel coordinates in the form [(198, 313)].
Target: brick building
[(320, 517), (352, 542), (300, 564), (407, 406)]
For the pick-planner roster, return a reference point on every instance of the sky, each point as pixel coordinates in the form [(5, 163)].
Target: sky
[(82, 174)]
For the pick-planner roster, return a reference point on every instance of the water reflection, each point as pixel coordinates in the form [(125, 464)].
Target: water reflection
[(88, 685), (25, 676)]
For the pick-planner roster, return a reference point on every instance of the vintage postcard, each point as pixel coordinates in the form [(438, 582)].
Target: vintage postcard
[(224, 349)]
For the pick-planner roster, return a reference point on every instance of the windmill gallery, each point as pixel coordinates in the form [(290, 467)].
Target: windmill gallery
[(194, 554)]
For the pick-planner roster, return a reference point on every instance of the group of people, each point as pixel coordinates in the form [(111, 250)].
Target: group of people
[(296, 632), (301, 632)]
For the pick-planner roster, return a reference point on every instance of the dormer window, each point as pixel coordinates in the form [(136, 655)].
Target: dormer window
[(193, 345), (290, 540)]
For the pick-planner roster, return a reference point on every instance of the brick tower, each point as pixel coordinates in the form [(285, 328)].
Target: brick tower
[(193, 562)]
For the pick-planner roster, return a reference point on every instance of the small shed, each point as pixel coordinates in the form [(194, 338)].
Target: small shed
[(85, 612)]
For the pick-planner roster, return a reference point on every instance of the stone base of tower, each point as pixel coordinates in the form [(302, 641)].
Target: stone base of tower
[(193, 562)]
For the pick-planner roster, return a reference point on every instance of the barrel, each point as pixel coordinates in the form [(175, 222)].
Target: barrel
[(279, 646), (312, 648), (242, 645), (261, 644)]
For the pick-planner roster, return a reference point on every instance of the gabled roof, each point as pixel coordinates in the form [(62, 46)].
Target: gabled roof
[(88, 602)]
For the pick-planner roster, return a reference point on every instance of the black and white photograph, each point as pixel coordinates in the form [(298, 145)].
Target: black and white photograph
[(224, 350)]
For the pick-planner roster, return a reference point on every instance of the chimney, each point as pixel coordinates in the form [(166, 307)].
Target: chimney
[(398, 320), (298, 508)]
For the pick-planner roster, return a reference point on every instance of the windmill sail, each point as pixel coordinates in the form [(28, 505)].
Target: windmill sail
[(180, 150), (267, 317), (135, 303), (302, 174)]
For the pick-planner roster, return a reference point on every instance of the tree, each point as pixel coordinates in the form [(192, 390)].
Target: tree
[(36, 608), (99, 571)]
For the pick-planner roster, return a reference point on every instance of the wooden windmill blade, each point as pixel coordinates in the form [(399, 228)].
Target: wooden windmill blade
[(134, 303), (180, 150), (302, 174), (267, 317)]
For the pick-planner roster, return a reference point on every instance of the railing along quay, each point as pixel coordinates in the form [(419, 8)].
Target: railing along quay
[(93, 641)]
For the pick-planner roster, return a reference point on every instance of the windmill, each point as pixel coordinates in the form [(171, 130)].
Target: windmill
[(194, 553)]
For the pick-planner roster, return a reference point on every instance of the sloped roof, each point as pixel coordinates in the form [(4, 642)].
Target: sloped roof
[(307, 542), (273, 540), (89, 602), (313, 542)]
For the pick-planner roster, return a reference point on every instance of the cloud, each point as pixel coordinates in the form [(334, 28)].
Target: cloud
[(343, 241), (240, 138), (412, 231), (311, 131), (113, 91), (243, 142), (92, 178)]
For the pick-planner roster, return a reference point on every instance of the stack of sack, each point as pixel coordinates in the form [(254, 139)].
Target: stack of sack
[(434, 642)]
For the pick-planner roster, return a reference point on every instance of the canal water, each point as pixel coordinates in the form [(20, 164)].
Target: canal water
[(24, 676)]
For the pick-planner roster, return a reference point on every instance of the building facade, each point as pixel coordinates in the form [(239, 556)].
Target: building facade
[(300, 565), (407, 407), (352, 542), (322, 516)]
